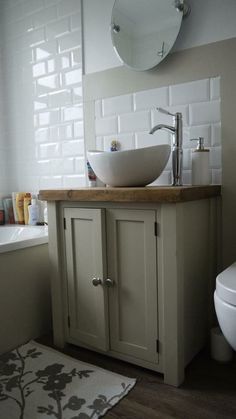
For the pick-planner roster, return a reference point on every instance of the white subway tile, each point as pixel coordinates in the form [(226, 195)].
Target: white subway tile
[(31, 6), (51, 66), (39, 69), (74, 112), (73, 148), (144, 139), (217, 176), (76, 21), (76, 57), (187, 160), (46, 50), (74, 181), (33, 38), (216, 134), (98, 108), (136, 121), (44, 16), (187, 177), (215, 157), (195, 91), (79, 129), (106, 126), (58, 28), (77, 94), (151, 98), (51, 182), (43, 167), (41, 103), (205, 113), (73, 77), (215, 88), (68, 7), (79, 165), (47, 84), (61, 132), (73, 40), (51, 117), (62, 166), (117, 105), (41, 135), (99, 143), (60, 98), (14, 13), (49, 150)]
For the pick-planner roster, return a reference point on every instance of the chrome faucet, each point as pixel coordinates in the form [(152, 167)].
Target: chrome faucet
[(177, 151)]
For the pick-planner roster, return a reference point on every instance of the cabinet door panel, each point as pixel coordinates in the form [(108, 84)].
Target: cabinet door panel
[(131, 247), (85, 259)]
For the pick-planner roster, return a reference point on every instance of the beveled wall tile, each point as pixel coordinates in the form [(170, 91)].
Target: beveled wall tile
[(42, 55), (199, 103)]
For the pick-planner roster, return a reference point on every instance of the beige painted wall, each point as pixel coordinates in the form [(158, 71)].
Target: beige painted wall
[(216, 59)]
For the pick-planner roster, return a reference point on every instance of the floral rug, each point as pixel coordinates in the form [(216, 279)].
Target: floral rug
[(37, 382)]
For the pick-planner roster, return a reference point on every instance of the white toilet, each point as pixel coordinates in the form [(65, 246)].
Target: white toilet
[(225, 303)]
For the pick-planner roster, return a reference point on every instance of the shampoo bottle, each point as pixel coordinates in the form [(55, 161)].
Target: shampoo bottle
[(20, 207), (200, 163), (33, 212), (27, 202)]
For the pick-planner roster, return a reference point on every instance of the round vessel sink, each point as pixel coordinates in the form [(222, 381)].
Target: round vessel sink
[(137, 167)]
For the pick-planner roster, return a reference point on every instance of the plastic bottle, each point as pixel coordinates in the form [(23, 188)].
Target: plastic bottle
[(20, 207), (200, 164), (92, 178), (33, 212), (27, 202)]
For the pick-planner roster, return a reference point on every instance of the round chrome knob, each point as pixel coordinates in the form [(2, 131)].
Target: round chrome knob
[(109, 282), (96, 281)]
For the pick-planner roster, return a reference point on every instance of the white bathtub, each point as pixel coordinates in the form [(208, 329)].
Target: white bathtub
[(13, 237), (25, 302)]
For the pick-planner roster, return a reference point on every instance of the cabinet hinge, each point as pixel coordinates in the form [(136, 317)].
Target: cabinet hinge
[(157, 346), (155, 229), (68, 321), (64, 223)]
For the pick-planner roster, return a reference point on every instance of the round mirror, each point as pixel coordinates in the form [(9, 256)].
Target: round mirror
[(144, 31)]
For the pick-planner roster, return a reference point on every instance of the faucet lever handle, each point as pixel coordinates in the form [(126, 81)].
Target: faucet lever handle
[(165, 111)]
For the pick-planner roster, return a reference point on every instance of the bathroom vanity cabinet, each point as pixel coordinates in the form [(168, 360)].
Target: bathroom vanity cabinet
[(133, 272)]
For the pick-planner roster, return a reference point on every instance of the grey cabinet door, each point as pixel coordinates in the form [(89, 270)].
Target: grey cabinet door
[(132, 266), (85, 260)]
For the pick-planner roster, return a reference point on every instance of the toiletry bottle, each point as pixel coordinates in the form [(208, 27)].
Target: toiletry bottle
[(45, 215), (2, 215), (27, 202), (14, 206), (20, 207), (92, 178), (33, 212), (114, 145), (200, 163)]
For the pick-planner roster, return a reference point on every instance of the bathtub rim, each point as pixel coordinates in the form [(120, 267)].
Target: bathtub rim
[(22, 244)]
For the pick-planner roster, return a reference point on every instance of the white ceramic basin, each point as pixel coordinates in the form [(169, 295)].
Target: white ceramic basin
[(130, 167)]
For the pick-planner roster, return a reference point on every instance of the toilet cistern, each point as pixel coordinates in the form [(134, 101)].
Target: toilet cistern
[(177, 151)]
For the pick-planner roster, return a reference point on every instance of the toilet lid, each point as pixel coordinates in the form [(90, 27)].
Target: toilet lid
[(226, 285)]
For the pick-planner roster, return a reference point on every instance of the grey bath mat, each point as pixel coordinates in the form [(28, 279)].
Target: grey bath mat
[(37, 382)]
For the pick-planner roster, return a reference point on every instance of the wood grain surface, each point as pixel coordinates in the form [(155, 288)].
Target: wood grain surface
[(146, 194)]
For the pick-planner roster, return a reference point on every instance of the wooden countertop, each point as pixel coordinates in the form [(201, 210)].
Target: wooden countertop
[(147, 194)]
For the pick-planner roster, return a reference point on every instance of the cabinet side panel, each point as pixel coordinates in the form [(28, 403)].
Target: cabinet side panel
[(198, 271)]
